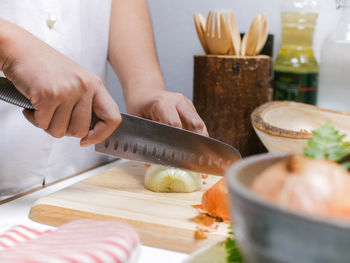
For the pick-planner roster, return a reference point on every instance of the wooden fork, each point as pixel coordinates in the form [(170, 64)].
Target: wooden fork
[(217, 34)]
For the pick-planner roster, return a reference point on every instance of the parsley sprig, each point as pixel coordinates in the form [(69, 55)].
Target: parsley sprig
[(328, 144), (232, 250)]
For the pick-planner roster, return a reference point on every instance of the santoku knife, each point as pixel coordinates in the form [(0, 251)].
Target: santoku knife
[(152, 142)]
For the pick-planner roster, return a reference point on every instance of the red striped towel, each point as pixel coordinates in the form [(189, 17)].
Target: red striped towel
[(18, 234), (82, 241)]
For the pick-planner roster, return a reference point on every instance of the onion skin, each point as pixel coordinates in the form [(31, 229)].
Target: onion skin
[(215, 201)]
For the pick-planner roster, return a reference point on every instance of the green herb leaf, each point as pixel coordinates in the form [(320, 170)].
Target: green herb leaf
[(327, 144), (232, 250), (346, 165)]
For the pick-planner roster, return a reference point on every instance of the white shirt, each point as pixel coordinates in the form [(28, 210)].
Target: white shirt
[(79, 29)]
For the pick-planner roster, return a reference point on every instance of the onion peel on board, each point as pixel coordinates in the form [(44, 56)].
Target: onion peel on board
[(215, 201)]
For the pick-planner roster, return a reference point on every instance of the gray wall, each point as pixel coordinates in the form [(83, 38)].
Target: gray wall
[(177, 41)]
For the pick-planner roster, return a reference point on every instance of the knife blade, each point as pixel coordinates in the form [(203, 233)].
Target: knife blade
[(148, 141), (153, 142)]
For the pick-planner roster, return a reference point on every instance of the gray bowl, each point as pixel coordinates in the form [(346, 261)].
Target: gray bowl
[(269, 234)]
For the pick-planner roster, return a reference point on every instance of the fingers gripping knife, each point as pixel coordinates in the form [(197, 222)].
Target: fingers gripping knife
[(152, 142)]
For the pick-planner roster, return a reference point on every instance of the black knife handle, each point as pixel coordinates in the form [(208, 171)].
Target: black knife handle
[(10, 94)]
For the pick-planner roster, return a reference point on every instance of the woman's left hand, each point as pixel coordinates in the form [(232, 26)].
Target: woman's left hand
[(166, 107), (133, 57)]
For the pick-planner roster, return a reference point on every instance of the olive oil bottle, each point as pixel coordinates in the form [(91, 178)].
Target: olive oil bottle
[(296, 68)]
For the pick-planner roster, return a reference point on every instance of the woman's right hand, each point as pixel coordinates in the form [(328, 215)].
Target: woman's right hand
[(62, 92)]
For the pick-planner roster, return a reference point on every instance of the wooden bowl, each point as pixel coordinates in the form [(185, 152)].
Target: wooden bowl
[(267, 233), (278, 124)]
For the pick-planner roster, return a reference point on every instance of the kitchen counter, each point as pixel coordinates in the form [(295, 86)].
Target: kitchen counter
[(16, 212)]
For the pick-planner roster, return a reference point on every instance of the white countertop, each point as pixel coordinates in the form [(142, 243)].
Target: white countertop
[(16, 212)]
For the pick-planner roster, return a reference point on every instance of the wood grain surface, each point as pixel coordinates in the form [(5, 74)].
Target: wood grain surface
[(162, 219), (226, 90)]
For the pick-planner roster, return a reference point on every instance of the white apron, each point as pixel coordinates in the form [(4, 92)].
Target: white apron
[(79, 29)]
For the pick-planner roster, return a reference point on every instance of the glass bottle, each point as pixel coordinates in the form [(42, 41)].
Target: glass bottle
[(334, 89), (296, 68)]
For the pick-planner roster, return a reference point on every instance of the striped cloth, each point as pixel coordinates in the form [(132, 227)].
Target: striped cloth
[(18, 234), (82, 241)]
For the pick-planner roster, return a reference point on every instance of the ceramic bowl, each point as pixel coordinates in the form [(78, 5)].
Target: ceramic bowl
[(269, 234), (279, 123)]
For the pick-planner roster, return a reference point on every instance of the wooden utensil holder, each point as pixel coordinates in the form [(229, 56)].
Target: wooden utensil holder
[(226, 91)]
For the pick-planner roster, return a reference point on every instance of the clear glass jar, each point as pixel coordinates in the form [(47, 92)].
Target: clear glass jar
[(334, 83)]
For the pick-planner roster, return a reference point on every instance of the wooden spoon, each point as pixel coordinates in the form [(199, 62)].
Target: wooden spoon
[(251, 38), (235, 34), (263, 35), (198, 22)]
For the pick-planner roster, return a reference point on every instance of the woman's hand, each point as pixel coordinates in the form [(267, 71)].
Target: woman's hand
[(166, 107), (62, 92), (133, 57)]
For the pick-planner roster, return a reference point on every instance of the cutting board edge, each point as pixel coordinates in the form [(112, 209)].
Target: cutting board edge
[(39, 208), (171, 238)]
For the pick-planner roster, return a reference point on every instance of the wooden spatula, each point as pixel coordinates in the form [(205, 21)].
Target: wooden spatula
[(200, 28), (202, 20), (235, 34)]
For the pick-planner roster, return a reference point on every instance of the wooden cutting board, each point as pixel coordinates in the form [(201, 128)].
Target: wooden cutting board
[(162, 219)]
